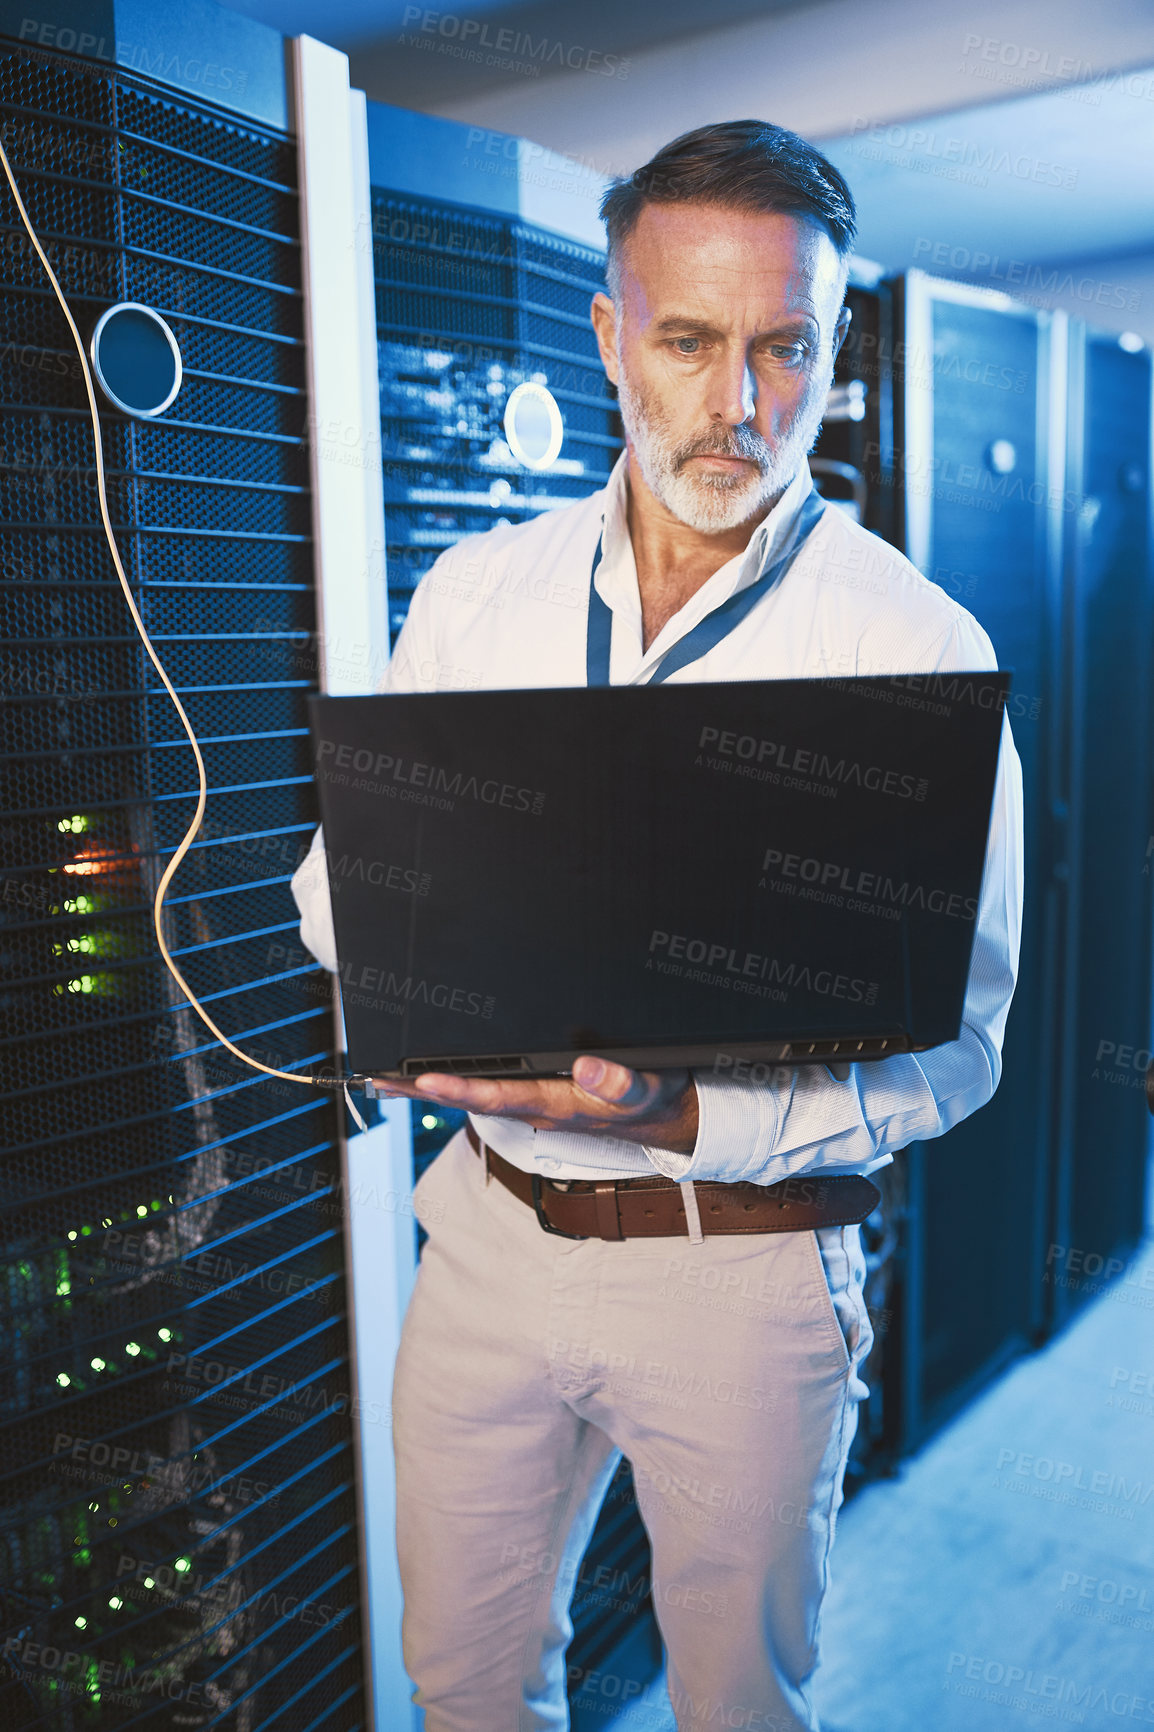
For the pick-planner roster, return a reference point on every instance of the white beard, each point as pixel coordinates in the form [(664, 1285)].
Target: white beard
[(714, 503)]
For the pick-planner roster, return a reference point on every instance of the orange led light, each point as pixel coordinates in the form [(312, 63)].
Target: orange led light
[(88, 863)]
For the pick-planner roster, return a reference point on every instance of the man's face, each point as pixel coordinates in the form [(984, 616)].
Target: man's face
[(721, 344)]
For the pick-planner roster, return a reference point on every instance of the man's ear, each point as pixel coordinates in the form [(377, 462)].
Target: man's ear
[(840, 329), (604, 316)]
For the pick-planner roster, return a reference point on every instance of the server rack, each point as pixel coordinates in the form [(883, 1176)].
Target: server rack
[(853, 461), (1100, 1124), (1023, 480), (177, 1514), (470, 305), (980, 390)]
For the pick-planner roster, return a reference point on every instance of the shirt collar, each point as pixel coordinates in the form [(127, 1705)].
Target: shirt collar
[(735, 574)]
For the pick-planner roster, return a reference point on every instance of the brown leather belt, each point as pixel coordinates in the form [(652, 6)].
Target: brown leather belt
[(653, 1208)]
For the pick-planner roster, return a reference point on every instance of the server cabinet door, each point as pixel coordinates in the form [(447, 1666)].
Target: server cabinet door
[(979, 471), (177, 1494), (1102, 1124)]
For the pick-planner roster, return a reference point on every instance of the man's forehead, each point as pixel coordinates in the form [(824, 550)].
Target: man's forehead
[(709, 249)]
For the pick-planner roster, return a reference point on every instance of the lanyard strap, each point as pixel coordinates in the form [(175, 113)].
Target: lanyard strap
[(709, 631)]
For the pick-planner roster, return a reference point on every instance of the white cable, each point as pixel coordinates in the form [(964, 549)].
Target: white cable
[(202, 795)]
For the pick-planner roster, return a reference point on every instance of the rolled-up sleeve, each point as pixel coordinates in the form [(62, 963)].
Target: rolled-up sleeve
[(852, 1117)]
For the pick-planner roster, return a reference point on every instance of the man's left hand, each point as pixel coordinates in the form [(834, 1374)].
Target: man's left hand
[(601, 1099)]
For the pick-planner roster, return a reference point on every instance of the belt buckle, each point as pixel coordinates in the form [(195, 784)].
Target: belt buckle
[(539, 1210)]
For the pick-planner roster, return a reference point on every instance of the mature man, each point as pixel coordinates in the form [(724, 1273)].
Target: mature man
[(723, 1363)]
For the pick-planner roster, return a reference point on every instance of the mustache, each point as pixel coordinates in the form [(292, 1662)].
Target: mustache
[(742, 442)]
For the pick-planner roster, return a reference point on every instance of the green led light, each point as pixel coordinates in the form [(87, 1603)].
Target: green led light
[(429, 1122), (63, 1287), (86, 944), (165, 1334), (106, 1221), (98, 1364), (81, 1623), (63, 1379), (72, 1235), (141, 1209), (148, 1582), (115, 1603), (182, 1564), (132, 1347), (79, 905), (72, 826), (85, 1231)]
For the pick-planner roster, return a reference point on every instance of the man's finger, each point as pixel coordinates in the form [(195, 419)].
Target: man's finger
[(615, 1084), (540, 1097), (390, 1088)]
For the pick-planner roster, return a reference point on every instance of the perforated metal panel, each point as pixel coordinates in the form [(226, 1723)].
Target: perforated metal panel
[(177, 1522)]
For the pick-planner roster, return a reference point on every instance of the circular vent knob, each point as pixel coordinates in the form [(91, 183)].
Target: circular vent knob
[(136, 358)]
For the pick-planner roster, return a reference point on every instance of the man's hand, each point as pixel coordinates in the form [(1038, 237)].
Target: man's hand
[(601, 1100)]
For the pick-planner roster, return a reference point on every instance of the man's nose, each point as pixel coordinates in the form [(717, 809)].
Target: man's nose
[(737, 395)]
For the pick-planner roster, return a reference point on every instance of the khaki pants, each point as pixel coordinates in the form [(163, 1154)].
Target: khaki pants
[(727, 1374)]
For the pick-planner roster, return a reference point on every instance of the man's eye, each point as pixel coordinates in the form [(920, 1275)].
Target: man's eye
[(687, 345), (791, 352)]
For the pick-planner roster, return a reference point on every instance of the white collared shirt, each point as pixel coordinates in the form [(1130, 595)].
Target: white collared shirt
[(508, 608)]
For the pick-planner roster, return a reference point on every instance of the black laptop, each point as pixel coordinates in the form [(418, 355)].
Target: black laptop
[(727, 875)]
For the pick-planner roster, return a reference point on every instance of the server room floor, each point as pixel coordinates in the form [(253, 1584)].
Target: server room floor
[(986, 1561)]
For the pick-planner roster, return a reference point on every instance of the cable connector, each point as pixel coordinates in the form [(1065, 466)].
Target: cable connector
[(340, 1081)]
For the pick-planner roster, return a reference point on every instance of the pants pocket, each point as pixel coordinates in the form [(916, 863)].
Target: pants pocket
[(840, 1261)]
